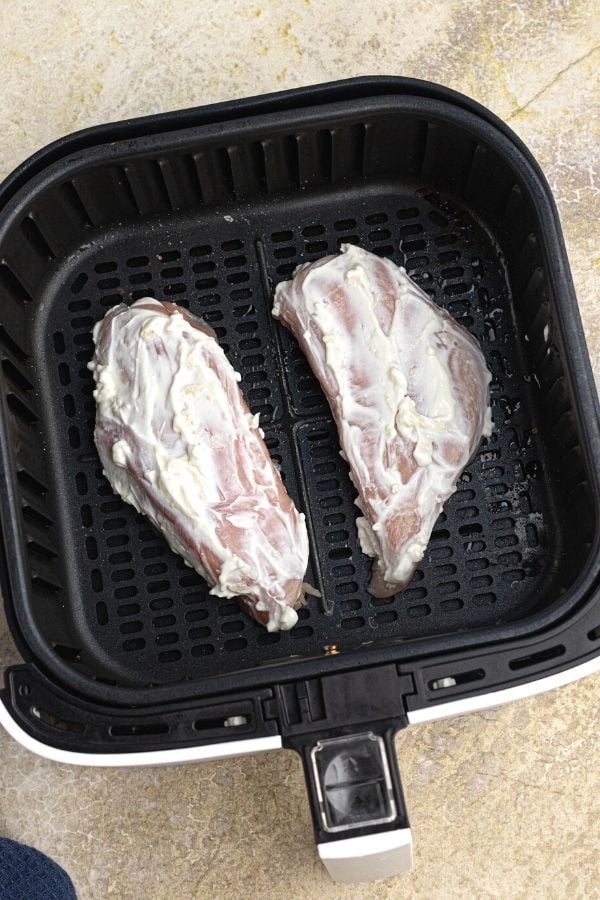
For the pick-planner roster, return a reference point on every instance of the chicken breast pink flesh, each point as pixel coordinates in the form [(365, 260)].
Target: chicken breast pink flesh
[(408, 389), (177, 441)]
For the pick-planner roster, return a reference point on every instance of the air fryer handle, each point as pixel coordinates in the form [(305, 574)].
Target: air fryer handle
[(358, 808)]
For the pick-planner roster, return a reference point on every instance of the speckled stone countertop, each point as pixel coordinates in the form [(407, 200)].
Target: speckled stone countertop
[(504, 803)]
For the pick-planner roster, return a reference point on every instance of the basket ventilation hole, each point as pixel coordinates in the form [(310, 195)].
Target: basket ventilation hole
[(448, 681), (233, 721), (522, 662), (56, 722)]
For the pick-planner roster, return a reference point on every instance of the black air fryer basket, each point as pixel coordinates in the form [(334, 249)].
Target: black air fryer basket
[(127, 658)]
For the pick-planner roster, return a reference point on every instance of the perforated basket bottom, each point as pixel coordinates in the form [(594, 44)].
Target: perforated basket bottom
[(141, 615)]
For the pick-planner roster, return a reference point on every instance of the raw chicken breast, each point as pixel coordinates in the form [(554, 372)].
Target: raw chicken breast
[(177, 441), (408, 388)]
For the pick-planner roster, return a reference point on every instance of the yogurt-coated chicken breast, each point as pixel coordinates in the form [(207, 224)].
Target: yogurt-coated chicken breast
[(408, 388), (177, 441)]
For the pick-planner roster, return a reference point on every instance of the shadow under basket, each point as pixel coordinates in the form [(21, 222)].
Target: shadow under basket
[(211, 209)]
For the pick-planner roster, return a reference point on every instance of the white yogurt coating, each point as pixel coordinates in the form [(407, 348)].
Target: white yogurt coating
[(408, 388), (178, 442)]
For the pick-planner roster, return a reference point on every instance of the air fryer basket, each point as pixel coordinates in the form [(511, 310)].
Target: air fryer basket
[(211, 208), (212, 218), (136, 613)]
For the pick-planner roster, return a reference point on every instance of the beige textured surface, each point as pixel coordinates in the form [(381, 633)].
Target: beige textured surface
[(504, 803)]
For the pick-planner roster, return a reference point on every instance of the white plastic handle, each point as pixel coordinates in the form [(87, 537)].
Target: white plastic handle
[(368, 858)]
